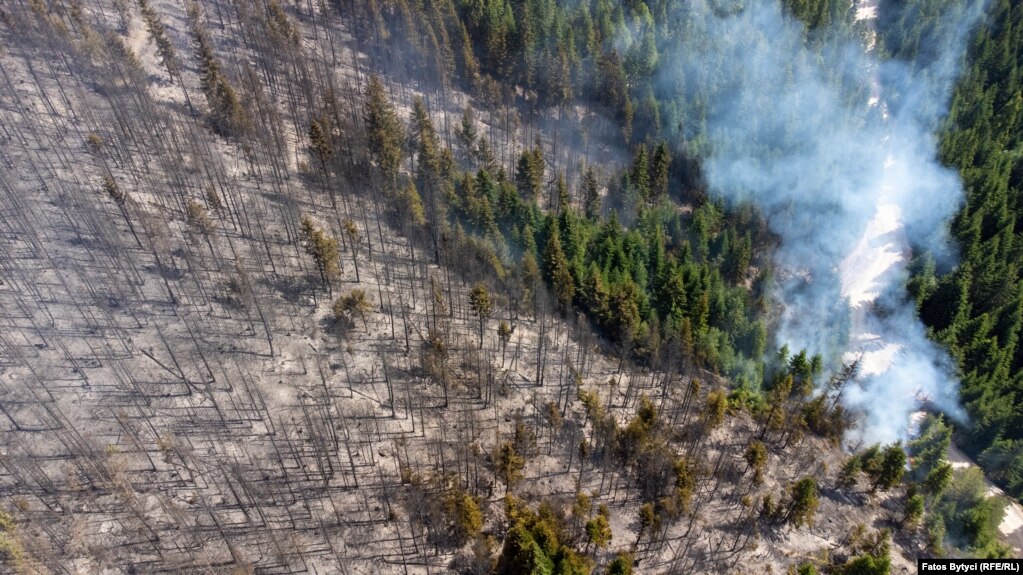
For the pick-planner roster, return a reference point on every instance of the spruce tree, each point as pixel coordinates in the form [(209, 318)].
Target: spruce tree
[(383, 130), (556, 268), (482, 307)]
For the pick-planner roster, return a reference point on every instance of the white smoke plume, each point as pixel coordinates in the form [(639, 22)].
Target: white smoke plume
[(837, 148)]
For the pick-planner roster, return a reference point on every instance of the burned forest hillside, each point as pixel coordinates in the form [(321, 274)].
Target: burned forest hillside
[(379, 287)]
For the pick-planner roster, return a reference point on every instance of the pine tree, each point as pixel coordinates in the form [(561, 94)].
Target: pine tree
[(529, 174), (410, 205), (938, 479), (284, 33), (352, 303), (323, 249), (756, 459), (319, 146), (226, 113), (509, 464), (621, 564), (562, 192), (893, 462), (641, 172), (660, 171), (429, 156), (598, 529), (482, 307), (628, 112), (158, 35), (198, 218), (383, 130), (465, 515), (485, 155), (470, 66), (467, 130), (591, 194), (504, 333), (530, 274), (556, 268)]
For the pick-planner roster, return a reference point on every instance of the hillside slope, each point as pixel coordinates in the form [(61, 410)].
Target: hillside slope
[(255, 317)]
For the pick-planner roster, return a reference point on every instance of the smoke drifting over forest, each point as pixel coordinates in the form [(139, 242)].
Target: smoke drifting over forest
[(825, 136)]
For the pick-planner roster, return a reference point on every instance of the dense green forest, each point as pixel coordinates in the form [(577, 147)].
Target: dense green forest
[(661, 283), (977, 310), (665, 289)]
